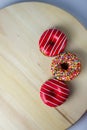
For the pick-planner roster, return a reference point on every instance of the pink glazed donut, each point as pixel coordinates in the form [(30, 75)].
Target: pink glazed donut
[(52, 42)]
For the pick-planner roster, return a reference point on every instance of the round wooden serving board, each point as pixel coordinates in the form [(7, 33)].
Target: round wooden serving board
[(23, 68)]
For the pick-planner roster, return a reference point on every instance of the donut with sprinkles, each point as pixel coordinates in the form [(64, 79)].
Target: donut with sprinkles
[(52, 42), (54, 92), (66, 66)]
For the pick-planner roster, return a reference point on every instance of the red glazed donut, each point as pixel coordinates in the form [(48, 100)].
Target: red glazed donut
[(52, 42), (66, 66), (54, 93)]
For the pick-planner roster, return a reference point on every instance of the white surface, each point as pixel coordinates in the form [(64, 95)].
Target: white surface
[(80, 7)]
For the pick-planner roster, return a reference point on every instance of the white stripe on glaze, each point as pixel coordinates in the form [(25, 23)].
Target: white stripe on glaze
[(48, 40), (51, 96), (59, 45), (58, 85), (43, 37), (47, 48), (52, 103), (55, 43), (58, 95), (59, 81), (55, 88), (52, 40), (48, 100), (62, 44)]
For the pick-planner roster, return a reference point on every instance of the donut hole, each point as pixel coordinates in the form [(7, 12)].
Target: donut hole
[(52, 93), (64, 66), (51, 43)]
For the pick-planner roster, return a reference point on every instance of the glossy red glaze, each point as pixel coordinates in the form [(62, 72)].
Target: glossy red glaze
[(54, 92), (52, 42)]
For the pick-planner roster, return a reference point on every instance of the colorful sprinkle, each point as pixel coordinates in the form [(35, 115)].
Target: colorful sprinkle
[(66, 66)]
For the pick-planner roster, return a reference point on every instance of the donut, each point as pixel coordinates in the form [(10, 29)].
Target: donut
[(54, 92), (52, 42), (66, 66)]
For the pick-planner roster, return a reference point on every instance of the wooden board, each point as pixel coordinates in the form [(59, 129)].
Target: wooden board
[(23, 68)]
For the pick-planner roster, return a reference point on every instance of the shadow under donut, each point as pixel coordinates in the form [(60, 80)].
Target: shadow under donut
[(71, 87), (82, 55)]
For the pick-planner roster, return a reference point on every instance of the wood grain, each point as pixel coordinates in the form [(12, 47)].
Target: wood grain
[(23, 68)]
